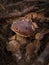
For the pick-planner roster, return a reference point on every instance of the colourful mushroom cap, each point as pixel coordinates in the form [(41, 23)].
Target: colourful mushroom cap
[(22, 27)]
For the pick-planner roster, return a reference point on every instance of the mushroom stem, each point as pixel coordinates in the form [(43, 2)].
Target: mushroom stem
[(21, 39)]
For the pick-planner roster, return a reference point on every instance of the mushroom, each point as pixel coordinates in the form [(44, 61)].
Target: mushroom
[(14, 47), (32, 49), (23, 29)]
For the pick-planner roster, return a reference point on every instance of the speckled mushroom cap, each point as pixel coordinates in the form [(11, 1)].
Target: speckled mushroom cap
[(22, 27)]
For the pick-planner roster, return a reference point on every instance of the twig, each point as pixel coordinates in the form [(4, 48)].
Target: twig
[(13, 14), (2, 7), (14, 4)]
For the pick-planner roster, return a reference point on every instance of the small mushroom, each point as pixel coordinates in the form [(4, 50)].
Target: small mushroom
[(14, 47), (23, 28), (31, 49)]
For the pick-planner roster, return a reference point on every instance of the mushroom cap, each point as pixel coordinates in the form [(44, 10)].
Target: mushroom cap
[(13, 46), (22, 27)]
